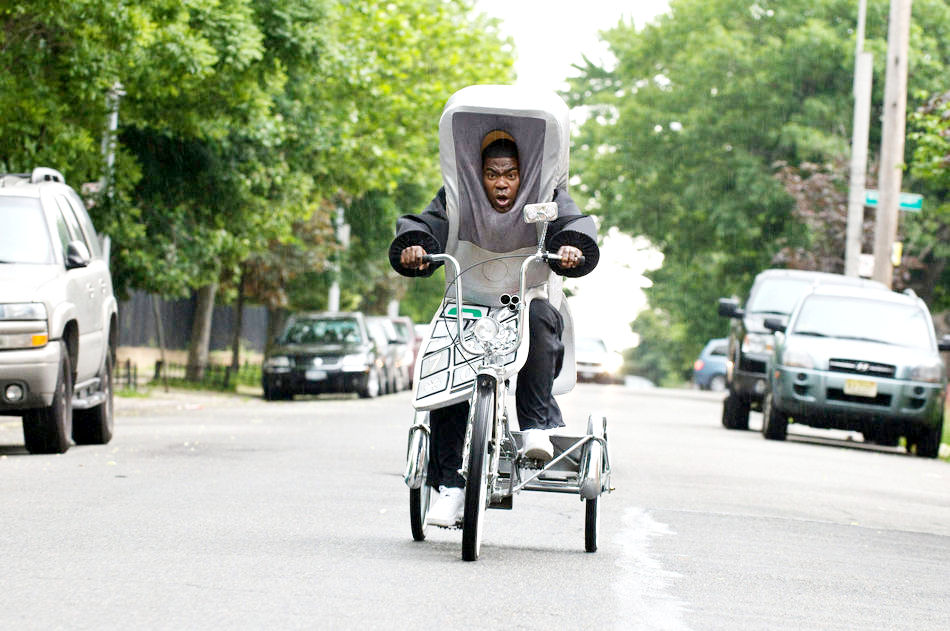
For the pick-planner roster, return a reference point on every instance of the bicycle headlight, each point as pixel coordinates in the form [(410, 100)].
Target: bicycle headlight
[(486, 329)]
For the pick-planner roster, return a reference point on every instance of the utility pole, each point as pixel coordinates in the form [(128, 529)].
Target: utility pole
[(343, 235), (115, 93), (863, 75), (892, 140)]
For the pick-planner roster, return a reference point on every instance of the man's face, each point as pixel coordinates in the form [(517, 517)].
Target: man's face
[(501, 180)]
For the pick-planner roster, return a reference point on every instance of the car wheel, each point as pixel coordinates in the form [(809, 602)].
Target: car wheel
[(94, 426), (370, 389), (928, 441), (717, 383), (774, 422), (47, 430), (735, 412)]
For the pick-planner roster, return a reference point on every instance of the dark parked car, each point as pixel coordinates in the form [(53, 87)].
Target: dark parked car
[(709, 369), (323, 352), (774, 293), (860, 360)]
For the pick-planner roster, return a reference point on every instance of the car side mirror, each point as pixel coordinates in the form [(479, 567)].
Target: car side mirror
[(77, 255), (729, 308), (944, 343), (774, 325)]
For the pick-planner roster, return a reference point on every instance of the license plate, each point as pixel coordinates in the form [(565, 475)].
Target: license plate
[(316, 375), (860, 388)]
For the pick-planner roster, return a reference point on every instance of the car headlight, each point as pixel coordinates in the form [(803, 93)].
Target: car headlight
[(932, 373), (355, 362), (23, 311), (797, 359), (614, 362), (435, 362), (278, 363), (757, 343)]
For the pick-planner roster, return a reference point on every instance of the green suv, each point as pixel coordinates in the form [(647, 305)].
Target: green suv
[(58, 322), (773, 295), (861, 360)]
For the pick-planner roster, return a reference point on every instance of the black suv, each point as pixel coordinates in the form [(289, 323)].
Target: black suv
[(323, 352), (774, 294)]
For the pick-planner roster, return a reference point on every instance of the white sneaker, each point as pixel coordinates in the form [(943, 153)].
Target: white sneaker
[(537, 444), (448, 507)]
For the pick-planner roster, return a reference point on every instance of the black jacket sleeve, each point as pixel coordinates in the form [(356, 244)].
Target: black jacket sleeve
[(572, 228), (430, 229)]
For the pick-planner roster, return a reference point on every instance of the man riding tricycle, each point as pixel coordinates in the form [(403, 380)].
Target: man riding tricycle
[(507, 230)]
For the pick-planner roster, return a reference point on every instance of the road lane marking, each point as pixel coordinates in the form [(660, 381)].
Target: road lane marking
[(643, 584)]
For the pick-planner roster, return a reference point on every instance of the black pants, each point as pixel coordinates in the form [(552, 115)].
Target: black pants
[(533, 399)]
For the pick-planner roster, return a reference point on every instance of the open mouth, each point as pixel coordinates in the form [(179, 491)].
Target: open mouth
[(502, 201)]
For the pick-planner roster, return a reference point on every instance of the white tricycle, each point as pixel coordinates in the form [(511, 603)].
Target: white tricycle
[(476, 347)]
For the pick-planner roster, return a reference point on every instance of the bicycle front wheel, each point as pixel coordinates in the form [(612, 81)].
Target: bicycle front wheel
[(476, 486)]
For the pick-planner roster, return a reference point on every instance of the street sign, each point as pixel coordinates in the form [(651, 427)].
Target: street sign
[(911, 202)]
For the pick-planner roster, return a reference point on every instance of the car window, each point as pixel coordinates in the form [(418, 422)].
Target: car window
[(75, 232), (862, 319), (377, 333), (92, 239), (322, 331), (402, 331), (25, 237), (719, 349), (591, 345), (777, 295)]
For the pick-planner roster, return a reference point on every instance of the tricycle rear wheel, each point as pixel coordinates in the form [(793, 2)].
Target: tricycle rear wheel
[(418, 509)]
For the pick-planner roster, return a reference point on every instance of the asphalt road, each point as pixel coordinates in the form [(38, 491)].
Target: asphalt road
[(229, 512)]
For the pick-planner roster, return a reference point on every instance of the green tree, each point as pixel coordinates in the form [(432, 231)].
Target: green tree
[(688, 128)]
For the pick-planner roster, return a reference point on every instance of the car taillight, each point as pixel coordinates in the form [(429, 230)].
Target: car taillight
[(698, 365)]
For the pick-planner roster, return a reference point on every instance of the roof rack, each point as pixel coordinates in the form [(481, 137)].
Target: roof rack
[(46, 174), (39, 175)]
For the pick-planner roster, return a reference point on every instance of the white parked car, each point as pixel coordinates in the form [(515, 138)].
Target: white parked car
[(58, 316)]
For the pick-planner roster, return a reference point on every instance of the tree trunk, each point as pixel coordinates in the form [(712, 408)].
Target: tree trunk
[(238, 325), (201, 332), (276, 318)]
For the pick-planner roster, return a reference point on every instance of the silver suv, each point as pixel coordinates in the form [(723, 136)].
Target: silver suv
[(58, 317)]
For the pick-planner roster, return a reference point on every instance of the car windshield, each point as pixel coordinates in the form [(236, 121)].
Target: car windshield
[(591, 345), (777, 295), (25, 237), (862, 319), (322, 331), (402, 331)]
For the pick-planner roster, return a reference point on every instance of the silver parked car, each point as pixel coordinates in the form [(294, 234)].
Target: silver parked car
[(58, 322), (858, 359)]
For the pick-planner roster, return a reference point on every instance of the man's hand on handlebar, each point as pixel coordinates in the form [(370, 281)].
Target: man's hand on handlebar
[(411, 257), (570, 256)]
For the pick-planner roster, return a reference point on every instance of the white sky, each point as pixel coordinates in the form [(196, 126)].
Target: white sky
[(550, 36)]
